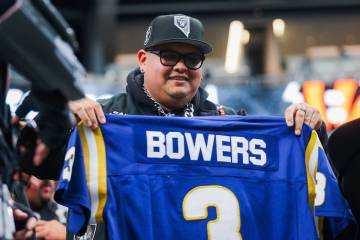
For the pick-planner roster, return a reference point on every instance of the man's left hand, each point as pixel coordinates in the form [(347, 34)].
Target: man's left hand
[(50, 230), (300, 113), (29, 227)]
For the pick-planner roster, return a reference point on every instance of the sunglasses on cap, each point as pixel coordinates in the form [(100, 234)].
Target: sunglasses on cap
[(170, 58)]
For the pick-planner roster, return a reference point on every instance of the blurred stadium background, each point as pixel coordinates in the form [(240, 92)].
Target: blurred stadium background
[(267, 53)]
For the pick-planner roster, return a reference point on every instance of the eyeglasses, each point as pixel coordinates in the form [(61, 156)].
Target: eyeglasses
[(170, 58)]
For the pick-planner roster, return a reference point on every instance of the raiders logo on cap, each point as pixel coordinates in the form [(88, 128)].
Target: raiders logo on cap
[(183, 23), (176, 28)]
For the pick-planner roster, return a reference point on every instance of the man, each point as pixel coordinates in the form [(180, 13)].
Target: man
[(344, 152), (167, 82), (40, 194)]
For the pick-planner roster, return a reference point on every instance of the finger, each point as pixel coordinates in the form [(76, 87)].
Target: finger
[(299, 121), (20, 215), (308, 115), (41, 231), (40, 223), (28, 234), (41, 152), (100, 114), (39, 228), (316, 121), (84, 118), (313, 121), (91, 113), (30, 225), (289, 115), (20, 235)]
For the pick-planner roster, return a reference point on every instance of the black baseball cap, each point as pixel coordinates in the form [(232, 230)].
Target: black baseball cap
[(176, 28)]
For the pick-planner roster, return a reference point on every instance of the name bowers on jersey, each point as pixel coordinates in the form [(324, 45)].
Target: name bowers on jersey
[(207, 147)]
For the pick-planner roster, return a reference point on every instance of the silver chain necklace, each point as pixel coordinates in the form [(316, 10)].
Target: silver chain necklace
[(188, 110)]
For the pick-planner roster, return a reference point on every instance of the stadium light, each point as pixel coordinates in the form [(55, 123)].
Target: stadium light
[(335, 113), (245, 39), (234, 47), (212, 90), (278, 27), (334, 98), (292, 93)]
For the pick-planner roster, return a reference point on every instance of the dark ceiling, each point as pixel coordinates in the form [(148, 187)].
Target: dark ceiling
[(151, 7), (78, 4), (93, 16)]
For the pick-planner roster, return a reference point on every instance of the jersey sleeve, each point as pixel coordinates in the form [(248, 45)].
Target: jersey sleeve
[(72, 190), (329, 201)]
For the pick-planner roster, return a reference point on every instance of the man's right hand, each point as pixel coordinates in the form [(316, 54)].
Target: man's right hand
[(88, 111)]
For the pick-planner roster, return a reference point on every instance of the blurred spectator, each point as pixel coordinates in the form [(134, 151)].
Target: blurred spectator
[(344, 152), (51, 225)]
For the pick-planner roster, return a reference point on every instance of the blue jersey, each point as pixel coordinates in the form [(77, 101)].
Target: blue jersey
[(199, 178)]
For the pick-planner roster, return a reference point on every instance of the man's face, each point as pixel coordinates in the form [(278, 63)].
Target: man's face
[(173, 87), (39, 191), (47, 190)]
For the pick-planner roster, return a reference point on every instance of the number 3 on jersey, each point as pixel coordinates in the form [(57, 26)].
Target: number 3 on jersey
[(320, 189), (227, 223)]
